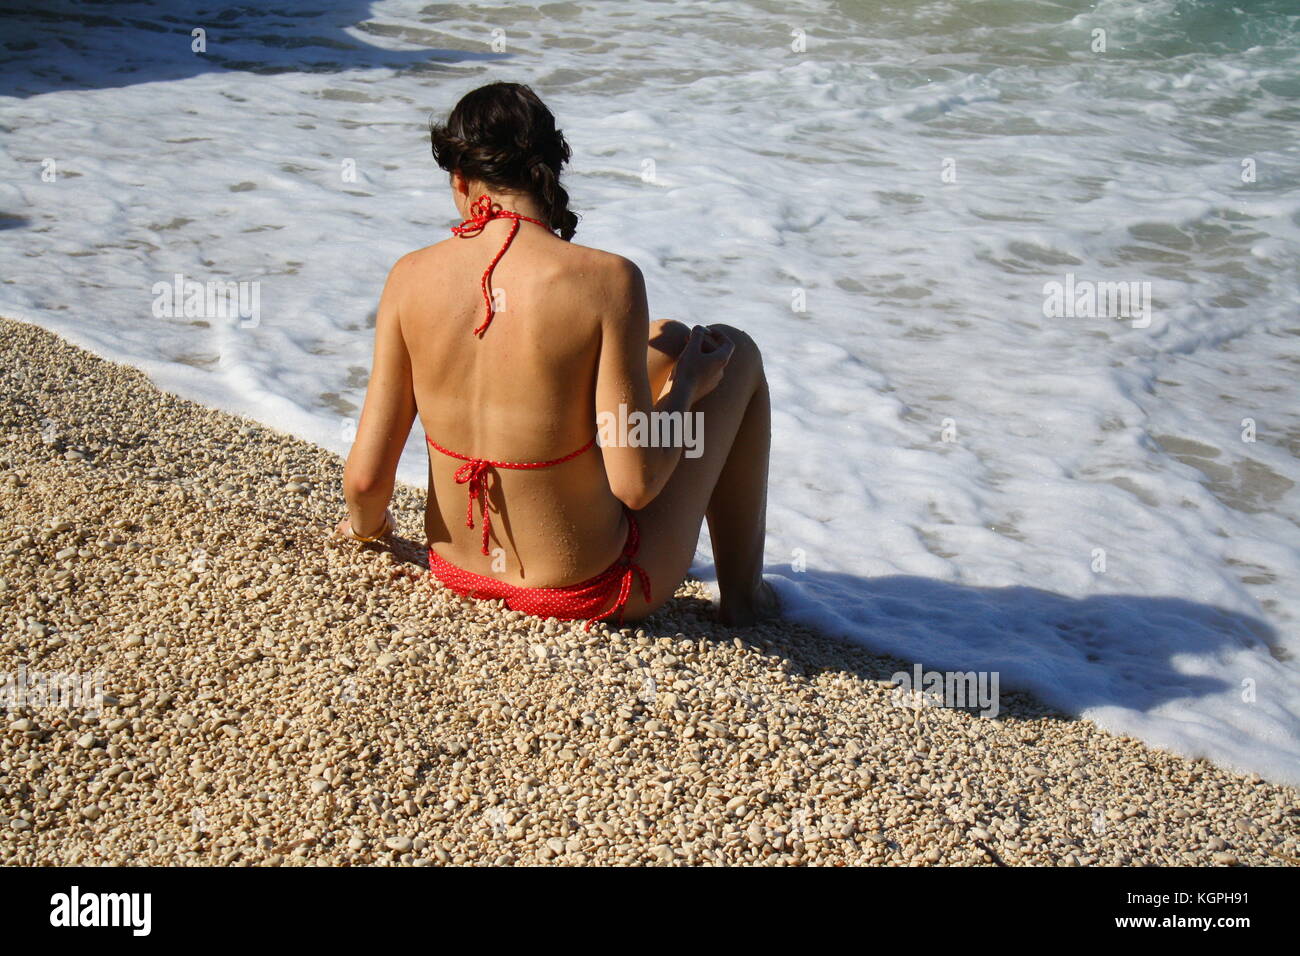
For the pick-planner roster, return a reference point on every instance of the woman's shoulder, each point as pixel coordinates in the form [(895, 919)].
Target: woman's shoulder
[(425, 255), (607, 268), (586, 266)]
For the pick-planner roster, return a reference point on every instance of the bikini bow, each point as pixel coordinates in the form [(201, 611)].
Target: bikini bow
[(475, 474), (631, 570), (481, 211)]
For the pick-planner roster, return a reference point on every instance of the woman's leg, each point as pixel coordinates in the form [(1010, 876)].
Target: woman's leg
[(726, 483), (667, 339), (737, 516)]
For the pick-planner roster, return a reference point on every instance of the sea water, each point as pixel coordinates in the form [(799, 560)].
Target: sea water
[(1090, 492)]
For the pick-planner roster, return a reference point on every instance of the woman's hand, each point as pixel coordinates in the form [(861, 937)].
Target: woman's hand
[(702, 362), (344, 529)]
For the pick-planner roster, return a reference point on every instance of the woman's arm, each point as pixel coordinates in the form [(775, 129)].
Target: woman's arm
[(638, 474), (386, 418)]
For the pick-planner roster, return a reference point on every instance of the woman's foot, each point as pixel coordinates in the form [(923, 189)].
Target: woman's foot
[(759, 606)]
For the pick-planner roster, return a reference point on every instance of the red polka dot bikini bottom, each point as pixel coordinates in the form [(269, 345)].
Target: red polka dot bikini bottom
[(590, 599)]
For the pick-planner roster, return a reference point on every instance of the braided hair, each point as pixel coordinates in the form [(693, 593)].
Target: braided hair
[(503, 135)]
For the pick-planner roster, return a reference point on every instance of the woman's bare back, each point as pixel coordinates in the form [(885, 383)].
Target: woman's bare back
[(522, 391)]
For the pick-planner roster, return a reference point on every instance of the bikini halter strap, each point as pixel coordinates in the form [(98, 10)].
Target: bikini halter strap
[(482, 211)]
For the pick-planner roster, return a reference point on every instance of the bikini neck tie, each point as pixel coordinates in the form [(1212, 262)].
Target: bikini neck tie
[(482, 211)]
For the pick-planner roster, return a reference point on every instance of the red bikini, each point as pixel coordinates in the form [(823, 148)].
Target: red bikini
[(587, 599)]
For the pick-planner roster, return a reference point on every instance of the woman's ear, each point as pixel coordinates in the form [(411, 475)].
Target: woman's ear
[(460, 191)]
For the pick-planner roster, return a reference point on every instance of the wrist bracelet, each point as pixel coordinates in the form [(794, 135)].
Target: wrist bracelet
[(383, 530)]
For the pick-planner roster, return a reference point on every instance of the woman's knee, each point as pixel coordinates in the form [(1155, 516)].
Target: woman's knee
[(669, 336), (747, 351)]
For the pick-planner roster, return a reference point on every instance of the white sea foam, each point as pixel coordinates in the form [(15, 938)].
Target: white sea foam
[(776, 170)]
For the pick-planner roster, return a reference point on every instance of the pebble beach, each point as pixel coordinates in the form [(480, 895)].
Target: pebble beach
[(274, 696)]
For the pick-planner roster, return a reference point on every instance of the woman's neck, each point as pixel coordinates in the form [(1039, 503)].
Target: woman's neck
[(521, 203)]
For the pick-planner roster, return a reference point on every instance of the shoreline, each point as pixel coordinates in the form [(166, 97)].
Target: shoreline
[(275, 697)]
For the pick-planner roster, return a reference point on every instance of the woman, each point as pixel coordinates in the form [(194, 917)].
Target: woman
[(509, 341)]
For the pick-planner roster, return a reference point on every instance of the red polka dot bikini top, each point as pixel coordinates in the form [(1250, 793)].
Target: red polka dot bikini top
[(474, 473)]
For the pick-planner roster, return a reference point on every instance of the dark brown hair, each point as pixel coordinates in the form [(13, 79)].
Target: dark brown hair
[(503, 135)]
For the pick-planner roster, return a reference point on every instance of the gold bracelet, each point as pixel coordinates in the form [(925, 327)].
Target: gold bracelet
[(359, 537)]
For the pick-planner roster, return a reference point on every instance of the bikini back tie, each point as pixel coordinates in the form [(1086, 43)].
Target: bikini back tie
[(482, 211), (474, 473)]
